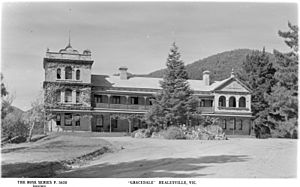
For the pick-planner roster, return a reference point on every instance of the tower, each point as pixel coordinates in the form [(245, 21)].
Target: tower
[(67, 86)]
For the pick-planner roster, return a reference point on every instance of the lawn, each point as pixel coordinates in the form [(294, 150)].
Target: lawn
[(240, 157), (51, 151)]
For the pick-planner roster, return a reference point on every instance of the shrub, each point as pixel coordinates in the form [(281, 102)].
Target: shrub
[(174, 132), (262, 131), (14, 126), (141, 133)]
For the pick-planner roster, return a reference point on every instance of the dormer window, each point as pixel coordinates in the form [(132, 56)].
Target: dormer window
[(68, 72), (58, 73), (78, 74)]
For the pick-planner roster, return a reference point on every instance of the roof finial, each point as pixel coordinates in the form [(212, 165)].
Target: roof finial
[(69, 38)]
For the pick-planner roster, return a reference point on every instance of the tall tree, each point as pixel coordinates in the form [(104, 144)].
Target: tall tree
[(175, 103), (258, 73), (284, 97), (6, 100)]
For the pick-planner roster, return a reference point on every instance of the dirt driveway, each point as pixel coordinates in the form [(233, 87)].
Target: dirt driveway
[(239, 157)]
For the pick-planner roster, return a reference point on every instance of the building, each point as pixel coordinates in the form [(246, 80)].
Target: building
[(81, 101)]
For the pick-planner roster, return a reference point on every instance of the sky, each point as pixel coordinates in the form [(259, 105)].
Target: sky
[(133, 34)]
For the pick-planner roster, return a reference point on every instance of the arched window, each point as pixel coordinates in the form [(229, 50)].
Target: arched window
[(232, 102), (58, 73), (77, 96), (78, 74), (242, 102), (58, 96), (68, 96), (222, 101), (68, 72)]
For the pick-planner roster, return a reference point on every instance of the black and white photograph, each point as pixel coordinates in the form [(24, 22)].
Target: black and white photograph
[(162, 92)]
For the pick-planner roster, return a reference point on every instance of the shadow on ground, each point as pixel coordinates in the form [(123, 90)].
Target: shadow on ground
[(167, 167)]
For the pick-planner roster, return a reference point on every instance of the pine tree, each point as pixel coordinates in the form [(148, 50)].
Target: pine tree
[(284, 97), (258, 73), (175, 103)]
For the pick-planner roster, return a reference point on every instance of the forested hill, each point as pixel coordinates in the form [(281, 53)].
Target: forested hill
[(220, 65)]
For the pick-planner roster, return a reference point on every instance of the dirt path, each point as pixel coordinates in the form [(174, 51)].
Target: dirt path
[(243, 158)]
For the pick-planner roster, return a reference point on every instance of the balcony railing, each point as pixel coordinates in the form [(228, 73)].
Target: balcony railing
[(207, 109), (123, 106)]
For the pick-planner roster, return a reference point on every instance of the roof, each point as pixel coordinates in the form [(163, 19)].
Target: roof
[(148, 83)]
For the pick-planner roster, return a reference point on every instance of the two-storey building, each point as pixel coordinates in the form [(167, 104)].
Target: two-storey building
[(86, 102)]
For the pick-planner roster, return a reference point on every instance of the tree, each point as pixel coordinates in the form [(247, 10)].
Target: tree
[(258, 74), (284, 96), (34, 116), (174, 104), (6, 100), (39, 113)]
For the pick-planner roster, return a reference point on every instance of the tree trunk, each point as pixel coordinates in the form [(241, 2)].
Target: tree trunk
[(30, 132)]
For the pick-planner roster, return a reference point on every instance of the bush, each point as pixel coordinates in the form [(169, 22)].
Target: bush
[(14, 126), (141, 133), (209, 132), (174, 132), (262, 131)]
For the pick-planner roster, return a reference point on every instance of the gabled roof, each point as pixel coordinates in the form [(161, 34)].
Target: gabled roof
[(228, 81)]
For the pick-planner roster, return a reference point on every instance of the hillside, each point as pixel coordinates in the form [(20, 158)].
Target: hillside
[(220, 65)]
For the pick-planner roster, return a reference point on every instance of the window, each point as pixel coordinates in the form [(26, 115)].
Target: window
[(222, 101), (223, 123), (68, 119), (58, 73), (206, 103), (232, 102), (151, 100), (68, 72), (100, 120), (231, 124), (78, 74), (58, 119), (98, 98), (77, 120), (114, 123), (239, 124), (116, 99), (242, 102), (77, 96), (68, 96), (58, 94), (134, 100)]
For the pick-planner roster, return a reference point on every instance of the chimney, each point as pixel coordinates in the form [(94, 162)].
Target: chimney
[(206, 77), (123, 73), (232, 73)]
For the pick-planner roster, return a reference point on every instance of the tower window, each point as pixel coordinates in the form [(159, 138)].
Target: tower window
[(78, 74), (58, 73), (77, 96), (58, 93), (77, 120), (68, 119), (68, 96), (68, 72)]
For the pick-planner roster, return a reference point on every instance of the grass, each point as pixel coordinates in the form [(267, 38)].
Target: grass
[(54, 152)]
